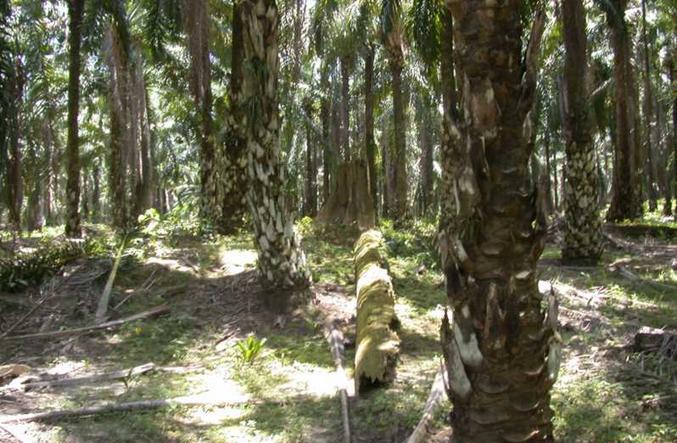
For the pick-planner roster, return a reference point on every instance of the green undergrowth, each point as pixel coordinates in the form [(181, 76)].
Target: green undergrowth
[(291, 378)]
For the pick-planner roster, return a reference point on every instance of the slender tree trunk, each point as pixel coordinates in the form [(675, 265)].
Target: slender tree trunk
[(118, 128), (370, 144), (626, 198), (145, 187), (582, 224), (325, 113), (96, 192), (310, 207), (648, 116), (16, 83), (196, 22), (501, 350), (281, 260), (672, 145), (75, 11), (425, 138), (399, 158), (345, 108)]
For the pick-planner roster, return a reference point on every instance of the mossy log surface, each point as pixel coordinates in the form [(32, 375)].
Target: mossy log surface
[(377, 342)]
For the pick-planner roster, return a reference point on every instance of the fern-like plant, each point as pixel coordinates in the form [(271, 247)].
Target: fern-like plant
[(250, 348)]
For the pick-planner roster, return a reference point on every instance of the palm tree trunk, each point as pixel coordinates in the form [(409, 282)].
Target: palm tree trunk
[(75, 11), (310, 206), (345, 108), (196, 21), (281, 260), (671, 142), (370, 144), (425, 137), (582, 224), (648, 116), (399, 157), (118, 128), (450, 143), (626, 198), (501, 350), (325, 114), (232, 156)]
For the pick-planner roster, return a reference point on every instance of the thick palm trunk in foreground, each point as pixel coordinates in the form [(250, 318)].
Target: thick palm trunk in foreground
[(281, 260), (501, 349), (582, 224)]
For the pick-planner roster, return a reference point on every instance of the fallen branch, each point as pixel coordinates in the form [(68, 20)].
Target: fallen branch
[(105, 297), (629, 275), (437, 394), (191, 400), (335, 339), (158, 310), (75, 381)]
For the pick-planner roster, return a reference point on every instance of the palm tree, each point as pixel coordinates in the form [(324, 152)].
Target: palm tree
[(281, 260), (582, 224), (196, 23), (626, 202), (75, 11), (232, 158), (391, 28), (501, 350)]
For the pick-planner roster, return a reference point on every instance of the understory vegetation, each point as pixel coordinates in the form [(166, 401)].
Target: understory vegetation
[(218, 338)]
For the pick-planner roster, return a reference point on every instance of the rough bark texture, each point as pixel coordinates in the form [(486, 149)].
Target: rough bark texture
[(626, 200), (582, 224), (671, 141), (345, 108), (14, 184), (648, 113), (501, 349), (369, 142), (393, 42), (350, 203), (377, 344), (399, 157), (118, 98), (449, 152), (425, 136), (281, 260), (232, 155), (75, 11), (196, 22), (310, 202), (325, 112)]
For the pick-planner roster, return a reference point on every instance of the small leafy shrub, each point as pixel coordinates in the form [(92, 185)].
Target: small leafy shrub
[(249, 348)]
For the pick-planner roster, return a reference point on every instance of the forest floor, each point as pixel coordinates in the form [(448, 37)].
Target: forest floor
[(287, 391)]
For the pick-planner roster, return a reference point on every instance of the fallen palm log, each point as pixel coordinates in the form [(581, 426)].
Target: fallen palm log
[(335, 339), (191, 400), (105, 296), (158, 310), (377, 344), (435, 398)]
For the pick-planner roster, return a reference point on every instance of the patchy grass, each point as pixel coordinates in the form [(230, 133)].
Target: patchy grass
[(603, 394)]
